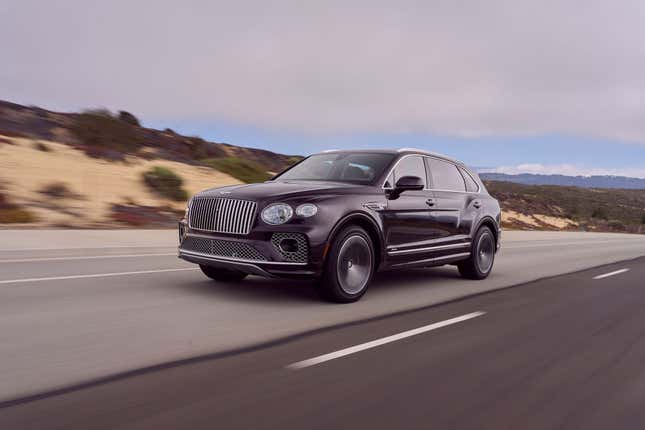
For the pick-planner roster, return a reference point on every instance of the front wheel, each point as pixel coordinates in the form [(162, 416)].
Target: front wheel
[(480, 263), (222, 275), (349, 266)]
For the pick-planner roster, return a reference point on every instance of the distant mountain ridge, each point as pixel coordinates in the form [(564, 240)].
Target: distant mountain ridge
[(620, 182)]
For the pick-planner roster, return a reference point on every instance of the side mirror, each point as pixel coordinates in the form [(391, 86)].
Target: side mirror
[(406, 183)]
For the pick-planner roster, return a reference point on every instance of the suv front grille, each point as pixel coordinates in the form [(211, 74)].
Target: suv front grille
[(222, 215), (222, 248)]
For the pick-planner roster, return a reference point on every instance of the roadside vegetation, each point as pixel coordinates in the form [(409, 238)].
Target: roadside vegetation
[(11, 213), (592, 209), (243, 170), (166, 183)]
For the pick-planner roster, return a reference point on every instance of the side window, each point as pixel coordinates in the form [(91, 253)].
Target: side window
[(445, 176), (471, 185), (411, 166)]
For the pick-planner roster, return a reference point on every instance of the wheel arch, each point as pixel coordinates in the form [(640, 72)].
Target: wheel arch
[(368, 224), (489, 222)]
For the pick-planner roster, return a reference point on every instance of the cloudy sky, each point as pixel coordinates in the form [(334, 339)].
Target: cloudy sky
[(540, 86)]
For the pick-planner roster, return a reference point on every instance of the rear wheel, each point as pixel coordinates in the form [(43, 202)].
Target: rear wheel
[(482, 257), (222, 275), (349, 266)]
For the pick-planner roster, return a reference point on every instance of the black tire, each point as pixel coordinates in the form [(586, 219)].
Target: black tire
[(349, 266), (482, 256), (222, 275)]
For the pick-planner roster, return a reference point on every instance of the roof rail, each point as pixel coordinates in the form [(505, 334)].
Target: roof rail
[(436, 154)]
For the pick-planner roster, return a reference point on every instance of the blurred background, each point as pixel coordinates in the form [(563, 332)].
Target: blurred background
[(112, 115)]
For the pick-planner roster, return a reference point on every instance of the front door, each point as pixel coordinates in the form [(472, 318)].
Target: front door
[(408, 223)]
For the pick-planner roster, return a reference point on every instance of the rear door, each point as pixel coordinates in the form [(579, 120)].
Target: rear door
[(451, 212), (407, 220)]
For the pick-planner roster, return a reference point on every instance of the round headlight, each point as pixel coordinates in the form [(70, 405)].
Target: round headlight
[(306, 210), (277, 213)]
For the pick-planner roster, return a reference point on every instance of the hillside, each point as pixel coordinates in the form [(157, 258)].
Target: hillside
[(100, 169), (550, 207), (620, 182), (102, 134)]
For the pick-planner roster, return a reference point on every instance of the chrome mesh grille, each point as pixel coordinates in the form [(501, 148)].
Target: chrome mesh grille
[(222, 215), (301, 255), (222, 248)]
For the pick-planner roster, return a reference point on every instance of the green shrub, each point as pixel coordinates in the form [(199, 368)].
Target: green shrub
[(243, 170), (600, 213), (41, 147), (106, 134), (59, 190), (127, 117), (166, 183), (643, 219), (15, 215)]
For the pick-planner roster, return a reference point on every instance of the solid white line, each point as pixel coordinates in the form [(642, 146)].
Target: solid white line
[(95, 275), (88, 257), (606, 275), (76, 248), (379, 342)]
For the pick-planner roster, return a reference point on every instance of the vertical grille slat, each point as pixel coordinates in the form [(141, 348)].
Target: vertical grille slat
[(222, 215)]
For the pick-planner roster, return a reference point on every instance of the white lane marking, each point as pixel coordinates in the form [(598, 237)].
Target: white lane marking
[(606, 275), (382, 341), (89, 257), (76, 248), (94, 275)]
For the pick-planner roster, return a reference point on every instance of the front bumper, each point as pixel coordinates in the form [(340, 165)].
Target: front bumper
[(258, 253)]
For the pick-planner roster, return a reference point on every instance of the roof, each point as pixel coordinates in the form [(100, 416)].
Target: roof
[(399, 151)]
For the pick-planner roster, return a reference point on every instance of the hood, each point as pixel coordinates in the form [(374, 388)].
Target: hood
[(279, 190)]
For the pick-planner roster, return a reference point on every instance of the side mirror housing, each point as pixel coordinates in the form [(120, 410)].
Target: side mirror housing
[(406, 183)]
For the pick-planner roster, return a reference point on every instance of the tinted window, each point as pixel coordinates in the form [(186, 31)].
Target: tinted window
[(410, 166), (445, 176), (341, 167), (471, 185)]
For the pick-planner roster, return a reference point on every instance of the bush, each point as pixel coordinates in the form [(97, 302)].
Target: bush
[(600, 213), (643, 219), (127, 117), (41, 147), (60, 190), (106, 134), (15, 215), (166, 183), (243, 170)]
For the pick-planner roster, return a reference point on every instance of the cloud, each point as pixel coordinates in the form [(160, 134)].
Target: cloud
[(565, 169), (489, 68)]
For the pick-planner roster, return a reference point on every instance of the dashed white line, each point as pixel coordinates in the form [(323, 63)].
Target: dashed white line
[(606, 275), (378, 342), (88, 257), (94, 275)]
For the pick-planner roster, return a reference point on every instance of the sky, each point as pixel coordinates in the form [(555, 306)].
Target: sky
[(537, 86)]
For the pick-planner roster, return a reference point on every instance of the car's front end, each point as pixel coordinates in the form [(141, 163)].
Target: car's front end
[(270, 229)]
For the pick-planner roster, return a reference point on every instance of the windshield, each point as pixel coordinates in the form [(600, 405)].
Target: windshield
[(362, 168)]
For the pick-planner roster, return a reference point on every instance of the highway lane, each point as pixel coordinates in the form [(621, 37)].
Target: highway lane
[(149, 310), (565, 352)]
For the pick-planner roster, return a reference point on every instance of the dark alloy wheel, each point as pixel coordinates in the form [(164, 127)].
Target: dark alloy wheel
[(480, 263), (349, 266), (222, 275)]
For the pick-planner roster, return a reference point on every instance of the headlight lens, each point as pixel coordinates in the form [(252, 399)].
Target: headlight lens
[(277, 213), (306, 210)]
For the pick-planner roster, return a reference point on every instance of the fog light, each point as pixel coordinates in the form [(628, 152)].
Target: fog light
[(289, 245)]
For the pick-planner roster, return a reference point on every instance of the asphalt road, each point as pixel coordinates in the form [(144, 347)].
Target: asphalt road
[(565, 352), (81, 306)]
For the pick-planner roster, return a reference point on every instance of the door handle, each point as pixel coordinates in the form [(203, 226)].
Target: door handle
[(430, 202), (477, 204)]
